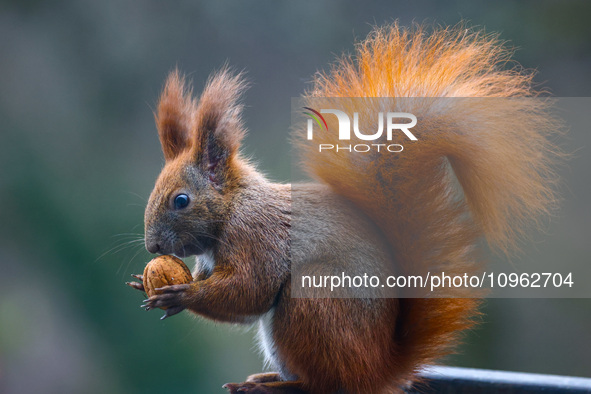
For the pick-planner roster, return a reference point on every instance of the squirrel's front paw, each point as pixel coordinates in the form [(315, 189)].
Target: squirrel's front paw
[(172, 299)]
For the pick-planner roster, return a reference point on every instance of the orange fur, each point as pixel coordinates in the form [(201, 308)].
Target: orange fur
[(174, 116)]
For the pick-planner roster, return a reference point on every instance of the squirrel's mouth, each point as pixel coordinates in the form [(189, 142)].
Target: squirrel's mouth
[(188, 245), (187, 251), (195, 248)]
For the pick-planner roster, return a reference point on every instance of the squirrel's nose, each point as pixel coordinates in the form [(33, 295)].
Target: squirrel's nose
[(152, 247)]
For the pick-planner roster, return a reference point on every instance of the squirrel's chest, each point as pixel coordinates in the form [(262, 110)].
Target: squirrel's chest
[(265, 338), (204, 264), (268, 347)]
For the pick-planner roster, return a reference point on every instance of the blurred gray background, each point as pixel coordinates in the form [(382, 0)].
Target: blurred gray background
[(79, 154)]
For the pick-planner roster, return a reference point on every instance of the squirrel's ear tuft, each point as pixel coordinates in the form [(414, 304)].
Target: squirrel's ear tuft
[(174, 118), (218, 125)]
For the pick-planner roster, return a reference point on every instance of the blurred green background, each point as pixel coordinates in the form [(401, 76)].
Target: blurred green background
[(79, 154)]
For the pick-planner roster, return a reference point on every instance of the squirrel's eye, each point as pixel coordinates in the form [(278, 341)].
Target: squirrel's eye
[(181, 201)]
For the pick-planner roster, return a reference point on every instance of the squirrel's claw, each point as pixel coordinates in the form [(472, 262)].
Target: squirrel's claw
[(137, 285), (248, 387), (138, 277), (172, 299), (172, 311), (231, 387)]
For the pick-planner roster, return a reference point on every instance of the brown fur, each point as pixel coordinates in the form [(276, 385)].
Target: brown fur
[(409, 217)]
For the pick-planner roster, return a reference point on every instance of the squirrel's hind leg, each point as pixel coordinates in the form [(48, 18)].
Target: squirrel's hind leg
[(272, 387), (265, 377)]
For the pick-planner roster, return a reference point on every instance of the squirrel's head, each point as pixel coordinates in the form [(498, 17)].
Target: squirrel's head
[(200, 141)]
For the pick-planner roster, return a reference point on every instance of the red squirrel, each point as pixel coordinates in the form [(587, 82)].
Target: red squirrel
[(211, 202)]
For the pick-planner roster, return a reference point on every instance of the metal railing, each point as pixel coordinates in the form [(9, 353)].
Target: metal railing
[(469, 380)]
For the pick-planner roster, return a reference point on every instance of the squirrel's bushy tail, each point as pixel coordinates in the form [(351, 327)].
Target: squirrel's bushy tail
[(482, 165)]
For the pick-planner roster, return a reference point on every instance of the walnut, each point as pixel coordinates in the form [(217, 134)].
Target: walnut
[(164, 271)]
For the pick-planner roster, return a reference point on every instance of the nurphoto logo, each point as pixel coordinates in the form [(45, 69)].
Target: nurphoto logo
[(393, 124)]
